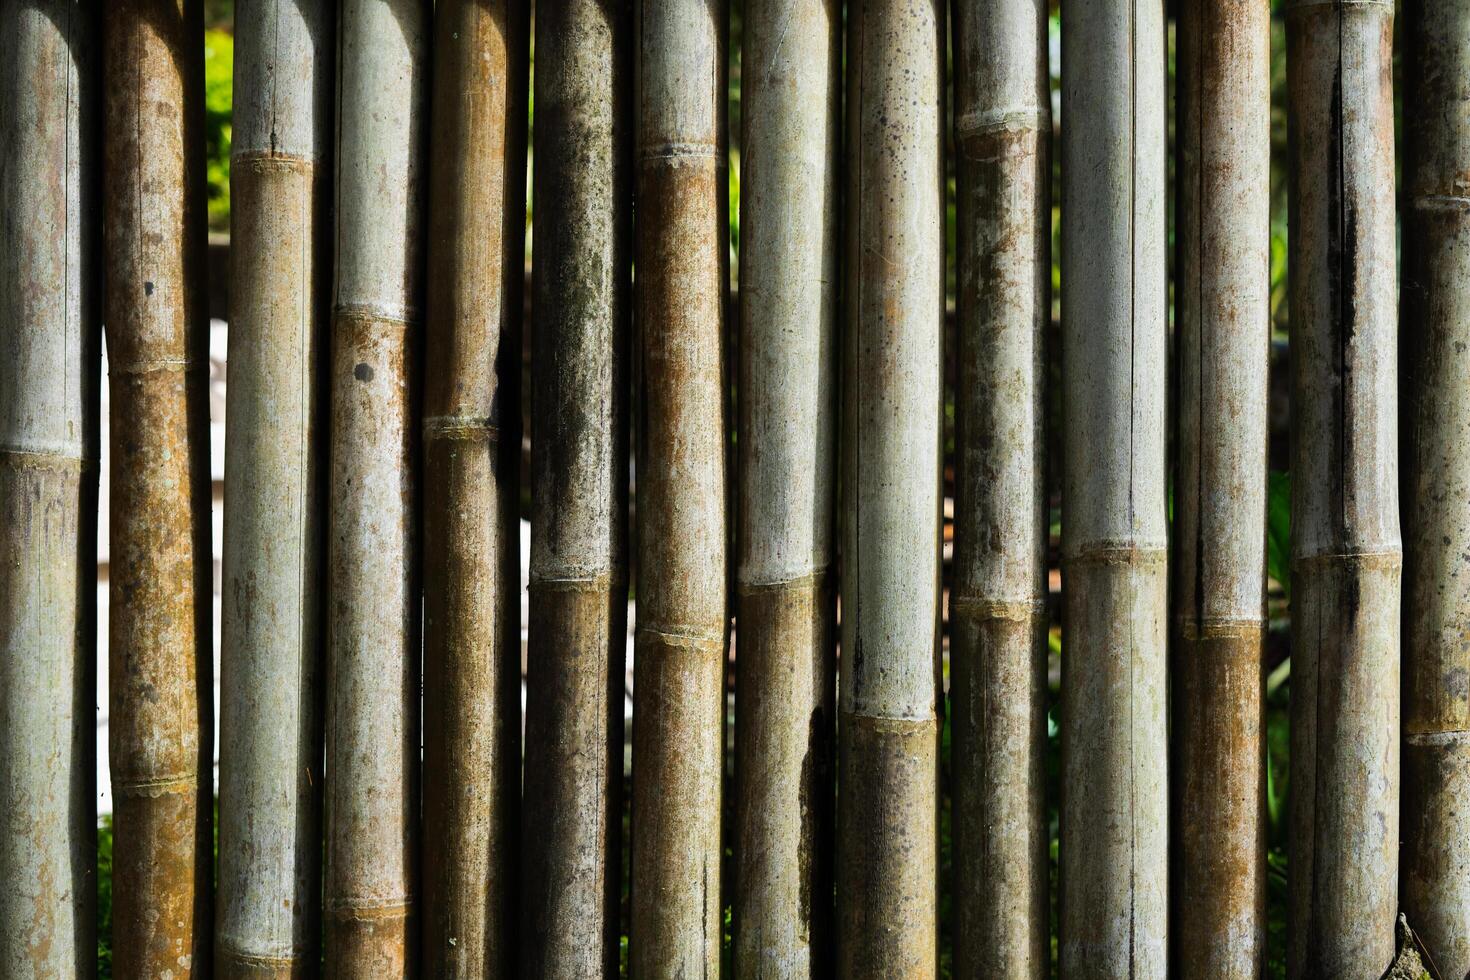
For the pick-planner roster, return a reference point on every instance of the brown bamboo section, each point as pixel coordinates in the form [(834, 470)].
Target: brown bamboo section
[(785, 699), (1222, 295), (679, 680), (888, 766), (1346, 554), (579, 490), (1114, 722), (1434, 878), (272, 641), (1002, 136), (370, 882), (50, 333), (472, 446), (160, 703)]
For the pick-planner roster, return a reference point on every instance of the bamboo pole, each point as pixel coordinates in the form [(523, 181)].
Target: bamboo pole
[(1222, 294), (679, 680), (1434, 884), (1002, 136), (372, 723), (50, 333), (271, 634), (472, 447), (888, 765), (579, 525), (160, 703), (785, 728), (1346, 553), (1114, 815)]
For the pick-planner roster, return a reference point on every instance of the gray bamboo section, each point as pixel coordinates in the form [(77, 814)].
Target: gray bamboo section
[(682, 258), (1346, 554), (161, 712), (50, 333), (1114, 727), (1434, 883), (572, 822), (472, 448), (1223, 309), (1002, 138), (272, 640), (888, 767), (785, 695), (370, 890)]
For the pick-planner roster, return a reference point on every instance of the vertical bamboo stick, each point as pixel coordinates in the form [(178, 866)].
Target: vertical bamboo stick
[(272, 642), (161, 710), (888, 805), (1002, 125), (1222, 294), (579, 497), (372, 725), (679, 681), (50, 333), (1346, 553), (1114, 817), (785, 728), (472, 447), (1434, 883)]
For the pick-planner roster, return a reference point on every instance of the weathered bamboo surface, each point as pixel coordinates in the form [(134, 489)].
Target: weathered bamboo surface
[(272, 642), (1114, 727), (1223, 304), (372, 711), (1002, 134), (888, 767), (472, 447), (682, 256), (1435, 378), (50, 334), (572, 824), (160, 703), (1346, 553), (785, 724)]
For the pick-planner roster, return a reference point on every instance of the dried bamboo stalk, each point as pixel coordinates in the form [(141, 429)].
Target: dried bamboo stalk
[(1346, 552), (888, 766), (1222, 292), (472, 446), (1434, 886), (271, 632), (1002, 134), (679, 680), (1114, 816), (785, 727), (372, 723), (50, 333), (579, 527), (160, 703)]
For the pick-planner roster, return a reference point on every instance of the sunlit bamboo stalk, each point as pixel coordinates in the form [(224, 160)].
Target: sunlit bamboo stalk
[(1346, 553), (161, 725), (50, 335), (888, 803), (1114, 812), (372, 710), (472, 449), (785, 726), (579, 490), (679, 682), (1222, 295), (1002, 120), (1434, 887), (275, 449)]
